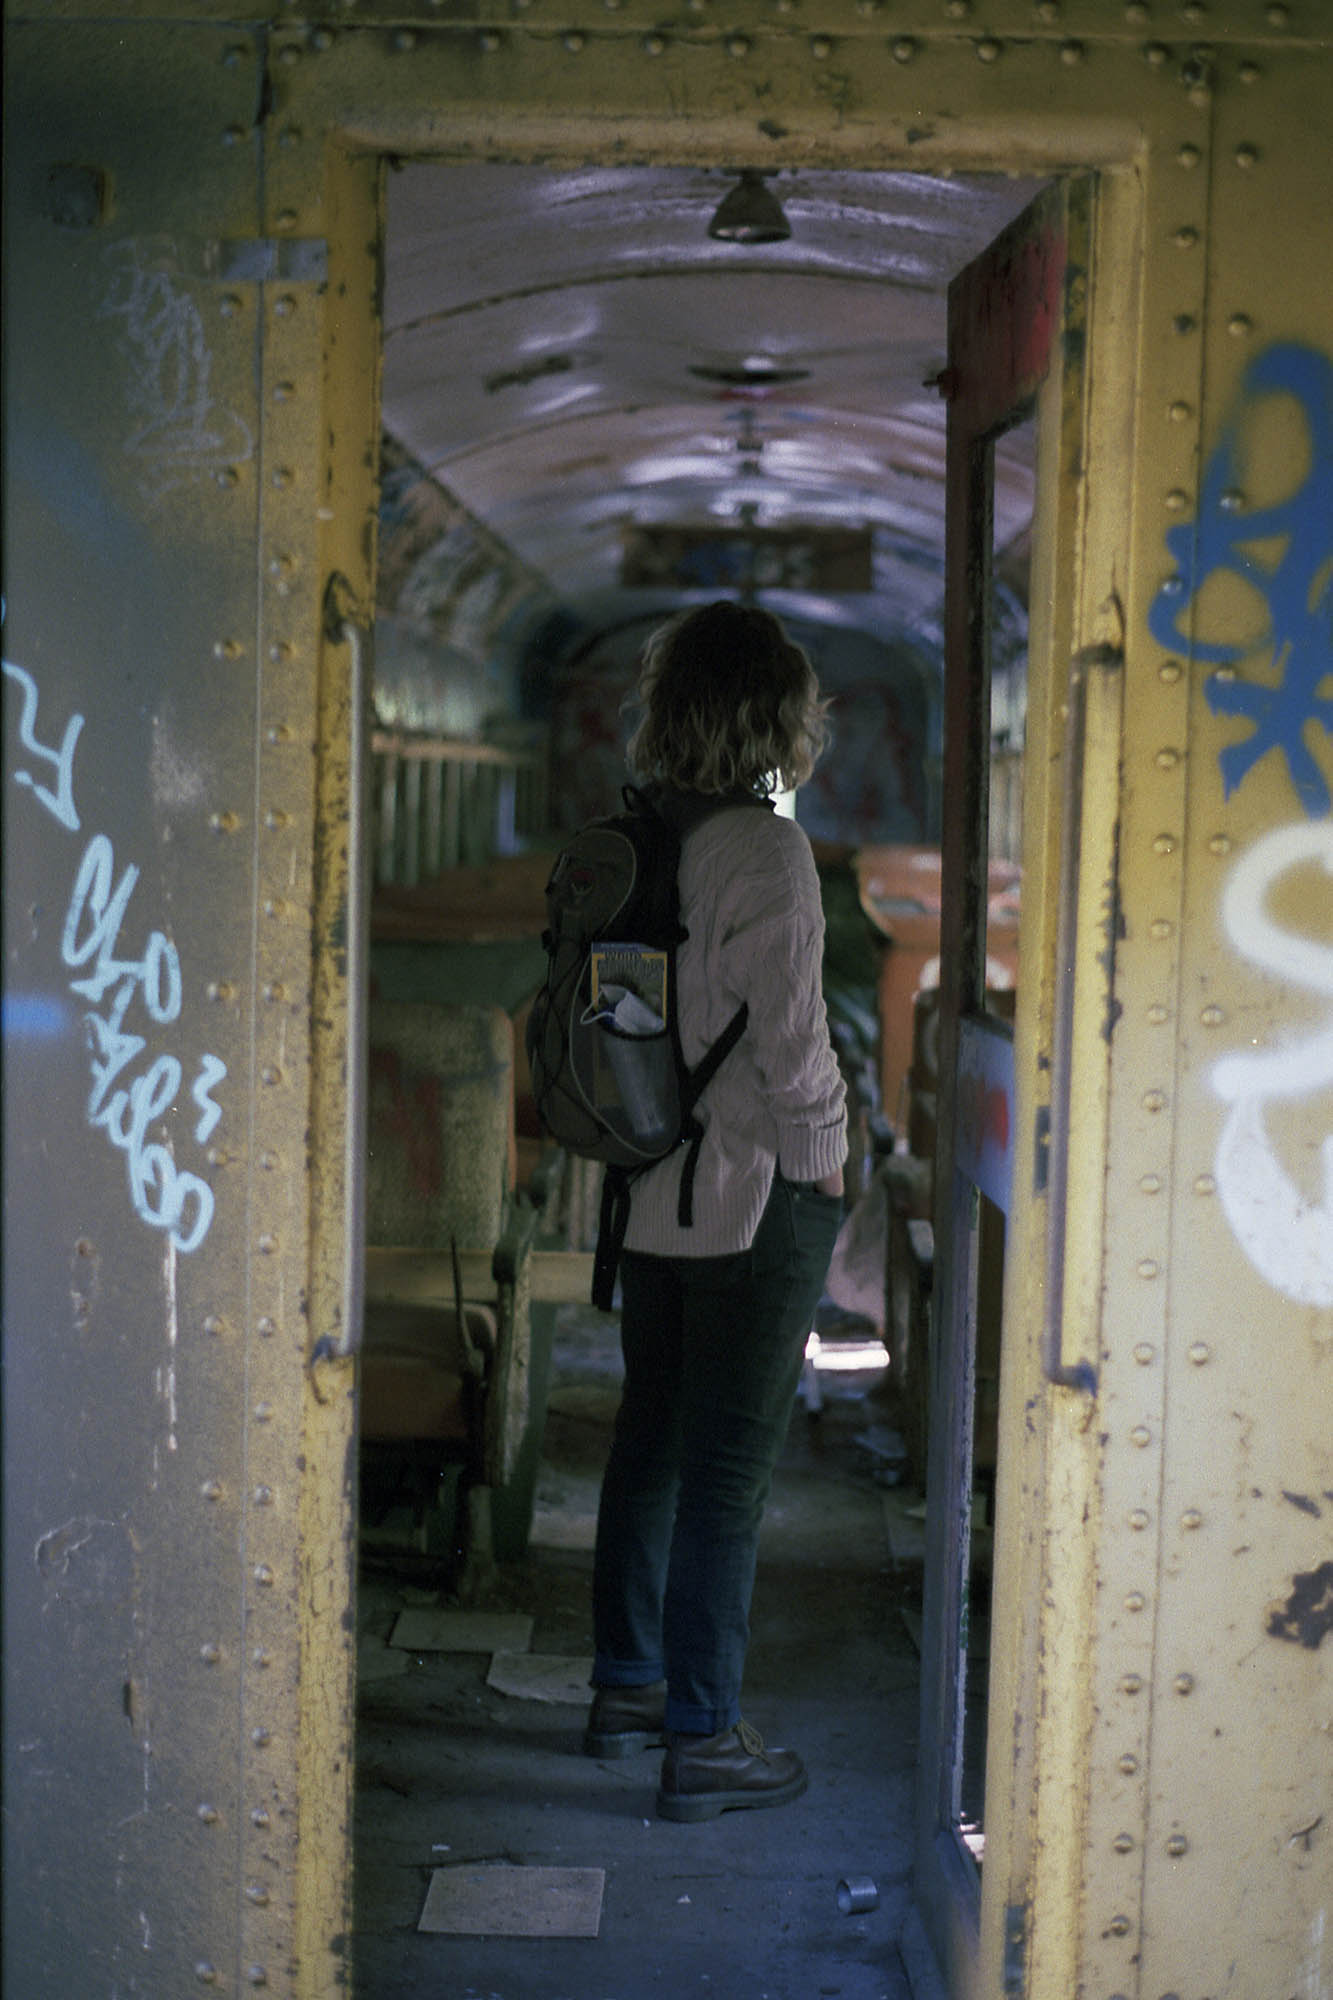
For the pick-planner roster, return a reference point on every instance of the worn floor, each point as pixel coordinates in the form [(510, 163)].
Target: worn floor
[(745, 1907)]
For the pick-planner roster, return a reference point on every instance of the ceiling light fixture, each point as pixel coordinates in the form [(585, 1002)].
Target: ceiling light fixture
[(749, 213)]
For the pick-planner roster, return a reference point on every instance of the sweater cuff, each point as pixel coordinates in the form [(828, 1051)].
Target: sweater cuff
[(808, 1153)]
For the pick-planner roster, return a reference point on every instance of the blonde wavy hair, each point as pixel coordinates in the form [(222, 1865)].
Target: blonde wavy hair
[(729, 703)]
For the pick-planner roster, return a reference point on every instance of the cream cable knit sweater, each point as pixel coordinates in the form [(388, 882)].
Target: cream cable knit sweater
[(749, 897)]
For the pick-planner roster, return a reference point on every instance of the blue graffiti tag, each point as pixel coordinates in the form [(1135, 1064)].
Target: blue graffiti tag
[(1284, 552)]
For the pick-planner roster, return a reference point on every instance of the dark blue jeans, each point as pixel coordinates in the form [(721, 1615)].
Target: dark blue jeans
[(713, 1349)]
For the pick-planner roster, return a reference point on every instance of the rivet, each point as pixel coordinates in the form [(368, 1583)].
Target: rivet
[(1219, 843), (1158, 1015), (260, 1658), (1127, 1763), (270, 1074), (1118, 1926), (868, 9), (227, 476), (210, 1653), (1188, 155), (279, 732), (1047, 10), (1249, 72), (1247, 156), (1200, 1353), (262, 1574), (489, 41), (1150, 1184), (266, 1327), (280, 650), (1161, 927), (738, 45), (256, 1975), (989, 50), (1212, 1016), (263, 1412), (1155, 54), (1277, 15), (1145, 1354), (233, 135), (1138, 1519), (207, 1813), (1131, 1683), (1191, 1518), (1137, 12), (322, 39), (268, 1242), (1183, 1683), (256, 1893), (404, 41), (263, 1496), (902, 48), (229, 305), (1232, 501), (284, 477), (574, 42), (1170, 672), (1154, 1100), (654, 45), (1186, 237), (1135, 1600), (269, 1162), (274, 990), (274, 818), (217, 1156), (211, 1489), (283, 392), (228, 649), (1180, 412), (205, 1973), (1141, 1436), (959, 10), (1177, 1845), (290, 54), (223, 822), (290, 136), (1239, 325), (1177, 500), (259, 1816), (1164, 843), (1166, 758), (821, 47), (235, 55), (284, 307), (1071, 54), (215, 1324), (1205, 1184), (1183, 323), (259, 1736), (286, 219), (1147, 1267), (1123, 1843)]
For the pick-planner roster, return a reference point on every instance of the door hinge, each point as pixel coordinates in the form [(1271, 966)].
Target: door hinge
[(1015, 1948), (253, 260), (1041, 1150)]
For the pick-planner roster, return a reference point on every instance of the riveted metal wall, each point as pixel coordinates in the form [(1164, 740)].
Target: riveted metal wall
[(177, 1509), (167, 1627)]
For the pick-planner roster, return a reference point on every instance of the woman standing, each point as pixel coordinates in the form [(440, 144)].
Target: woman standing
[(716, 1316)]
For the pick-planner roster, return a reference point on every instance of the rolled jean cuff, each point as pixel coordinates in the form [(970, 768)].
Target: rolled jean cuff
[(626, 1673), (685, 1718)]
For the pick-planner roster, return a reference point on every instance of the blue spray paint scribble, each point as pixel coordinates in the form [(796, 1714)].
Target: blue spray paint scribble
[(1295, 582)]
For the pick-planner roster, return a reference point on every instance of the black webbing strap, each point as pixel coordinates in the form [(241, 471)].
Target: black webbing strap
[(700, 1078), (612, 1223)]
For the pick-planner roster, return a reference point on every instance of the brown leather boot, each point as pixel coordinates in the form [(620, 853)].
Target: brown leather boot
[(623, 1720), (703, 1776)]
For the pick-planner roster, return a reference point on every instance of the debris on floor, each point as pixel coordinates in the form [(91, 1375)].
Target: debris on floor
[(553, 1677), (496, 1900), (419, 1630)]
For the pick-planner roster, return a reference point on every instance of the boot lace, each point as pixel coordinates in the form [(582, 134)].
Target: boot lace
[(750, 1740)]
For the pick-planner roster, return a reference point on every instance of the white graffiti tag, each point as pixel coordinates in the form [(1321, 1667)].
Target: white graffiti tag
[(182, 432), (1286, 1235), (123, 1105)]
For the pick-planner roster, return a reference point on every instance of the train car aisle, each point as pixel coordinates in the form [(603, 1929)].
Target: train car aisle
[(454, 1772)]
